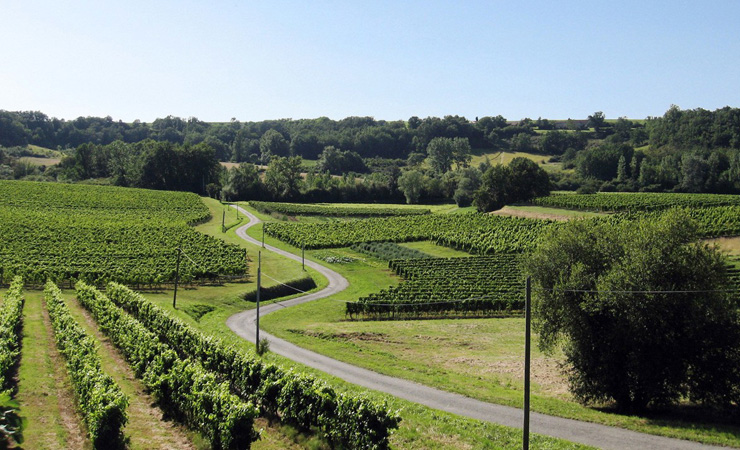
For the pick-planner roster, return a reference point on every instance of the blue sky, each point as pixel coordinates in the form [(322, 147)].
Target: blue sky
[(388, 59)]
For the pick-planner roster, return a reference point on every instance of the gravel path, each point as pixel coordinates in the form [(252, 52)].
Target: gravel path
[(601, 436)]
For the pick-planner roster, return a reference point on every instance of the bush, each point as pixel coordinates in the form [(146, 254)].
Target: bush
[(600, 291)]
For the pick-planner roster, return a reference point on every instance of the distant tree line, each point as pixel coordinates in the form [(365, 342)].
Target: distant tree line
[(683, 151), (419, 160)]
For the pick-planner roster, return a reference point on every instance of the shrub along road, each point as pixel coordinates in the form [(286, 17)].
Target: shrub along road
[(244, 325)]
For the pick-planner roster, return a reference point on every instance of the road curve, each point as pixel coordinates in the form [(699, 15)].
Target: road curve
[(601, 436)]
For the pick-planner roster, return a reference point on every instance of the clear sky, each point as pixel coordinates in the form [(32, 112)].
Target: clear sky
[(256, 60)]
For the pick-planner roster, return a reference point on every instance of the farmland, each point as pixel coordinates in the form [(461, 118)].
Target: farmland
[(101, 234), (474, 356)]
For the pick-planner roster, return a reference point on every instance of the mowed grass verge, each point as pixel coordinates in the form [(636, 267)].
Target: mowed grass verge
[(45, 392)]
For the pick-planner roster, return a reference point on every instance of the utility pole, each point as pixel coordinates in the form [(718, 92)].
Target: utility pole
[(177, 277), (263, 234), (223, 221), (303, 256), (527, 353), (259, 285)]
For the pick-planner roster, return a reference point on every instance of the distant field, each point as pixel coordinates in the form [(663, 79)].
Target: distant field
[(730, 245), (539, 212), (506, 157), (37, 161)]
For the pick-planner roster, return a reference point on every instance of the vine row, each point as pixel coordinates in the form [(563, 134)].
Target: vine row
[(11, 324), (99, 399), (181, 386), (346, 420)]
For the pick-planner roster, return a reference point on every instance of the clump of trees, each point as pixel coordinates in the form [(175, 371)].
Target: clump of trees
[(520, 181), (642, 312)]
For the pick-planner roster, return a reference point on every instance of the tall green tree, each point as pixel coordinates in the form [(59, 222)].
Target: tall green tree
[(443, 152), (641, 310), (283, 177), (411, 183), (273, 144), (242, 183)]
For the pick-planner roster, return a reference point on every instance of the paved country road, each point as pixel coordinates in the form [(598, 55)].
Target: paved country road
[(601, 436)]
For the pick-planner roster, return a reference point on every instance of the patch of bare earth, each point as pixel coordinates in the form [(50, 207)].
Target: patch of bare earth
[(545, 372), (506, 211), (146, 428), (727, 244)]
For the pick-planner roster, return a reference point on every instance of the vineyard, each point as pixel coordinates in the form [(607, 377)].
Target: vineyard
[(474, 233), (467, 287), (643, 201), (98, 234), (333, 209), (346, 420)]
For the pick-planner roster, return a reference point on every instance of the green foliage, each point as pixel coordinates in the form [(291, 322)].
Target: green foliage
[(627, 201), (283, 177), (443, 152), (98, 233), (600, 291), (99, 398), (11, 423), (242, 183), (388, 251), (439, 287), (471, 232), (412, 183), (11, 324), (348, 420), (182, 388), (291, 287), (336, 161), (520, 181), (337, 210)]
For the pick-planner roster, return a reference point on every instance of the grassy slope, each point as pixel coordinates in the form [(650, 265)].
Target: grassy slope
[(501, 157), (488, 370)]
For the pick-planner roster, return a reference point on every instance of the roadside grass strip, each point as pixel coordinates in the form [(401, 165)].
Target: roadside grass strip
[(182, 387), (99, 399), (346, 420), (11, 324)]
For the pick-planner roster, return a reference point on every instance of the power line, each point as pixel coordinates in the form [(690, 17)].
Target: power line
[(286, 285), (593, 291)]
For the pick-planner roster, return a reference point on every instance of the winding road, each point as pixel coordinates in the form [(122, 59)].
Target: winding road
[(601, 436)]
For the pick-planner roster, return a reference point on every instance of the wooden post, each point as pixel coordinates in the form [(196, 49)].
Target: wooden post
[(259, 285), (223, 221), (527, 353), (263, 234), (303, 256), (177, 277)]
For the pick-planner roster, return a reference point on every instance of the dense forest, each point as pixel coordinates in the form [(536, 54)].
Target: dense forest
[(360, 158)]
